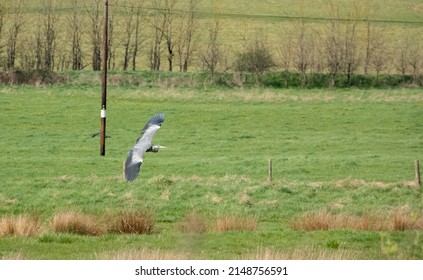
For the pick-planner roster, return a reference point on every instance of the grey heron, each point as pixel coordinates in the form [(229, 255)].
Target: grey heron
[(135, 157)]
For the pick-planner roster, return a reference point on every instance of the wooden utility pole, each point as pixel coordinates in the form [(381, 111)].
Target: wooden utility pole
[(417, 170), (104, 81)]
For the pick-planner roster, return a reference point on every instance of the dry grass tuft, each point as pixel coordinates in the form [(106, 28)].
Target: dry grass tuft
[(139, 222), (359, 182), (300, 254), (22, 225), (245, 199), (142, 254), (128, 196), (313, 221), (402, 221), (160, 180), (165, 195), (323, 220), (13, 256), (235, 223), (193, 223), (350, 183), (76, 223), (7, 201)]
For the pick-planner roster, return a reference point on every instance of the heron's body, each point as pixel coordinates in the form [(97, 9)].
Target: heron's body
[(135, 157)]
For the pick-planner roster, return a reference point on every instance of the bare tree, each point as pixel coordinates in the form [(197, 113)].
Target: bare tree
[(211, 56), (186, 34), (49, 33), (317, 61), (2, 17), (38, 45), (302, 52), (401, 59), (131, 37), (167, 31), (351, 57), (128, 33), (156, 50), (111, 46), (14, 30), (159, 23), (162, 23), (371, 45), (137, 39), (378, 59), (415, 60), (333, 42), (94, 14), (341, 42), (285, 52), (75, 23), (2, 21), (368, 48)]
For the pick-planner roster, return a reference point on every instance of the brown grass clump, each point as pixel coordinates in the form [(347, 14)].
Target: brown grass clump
[(323, 220), (13, 256), (235, 223), (142, 254), (23, 225), (403, 222), (300, 254), (76, 223), (368, 222), (139, 222), (193, 223), (313, 221)]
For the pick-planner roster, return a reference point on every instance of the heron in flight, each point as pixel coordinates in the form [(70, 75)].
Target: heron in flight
[(143, 144)]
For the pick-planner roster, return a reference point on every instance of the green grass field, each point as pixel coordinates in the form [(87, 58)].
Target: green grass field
[(341, 154)]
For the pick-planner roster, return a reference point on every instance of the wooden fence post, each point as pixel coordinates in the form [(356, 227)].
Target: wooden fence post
[(417, 171), (270, 171)]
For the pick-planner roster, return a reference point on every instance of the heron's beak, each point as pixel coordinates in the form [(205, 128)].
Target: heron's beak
[(163, 147)]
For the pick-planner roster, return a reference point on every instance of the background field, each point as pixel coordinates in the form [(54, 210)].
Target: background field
[(395, 25), (392, 10), (343, 171)]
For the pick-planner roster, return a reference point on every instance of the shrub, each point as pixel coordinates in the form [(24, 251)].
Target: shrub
[(32, 77), (140, 222), (323, 220), (403, 222), (23, 225), (235, 223), (76, 223), (255, 59)]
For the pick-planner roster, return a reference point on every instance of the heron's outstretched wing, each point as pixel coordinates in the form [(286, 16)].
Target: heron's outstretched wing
[(132, 166), (134, 160)]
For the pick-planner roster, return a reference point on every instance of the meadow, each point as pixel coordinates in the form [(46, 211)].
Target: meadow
[(343, 174), (395, 28)]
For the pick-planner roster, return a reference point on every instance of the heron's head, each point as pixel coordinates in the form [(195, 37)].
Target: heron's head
[(156, 148)]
